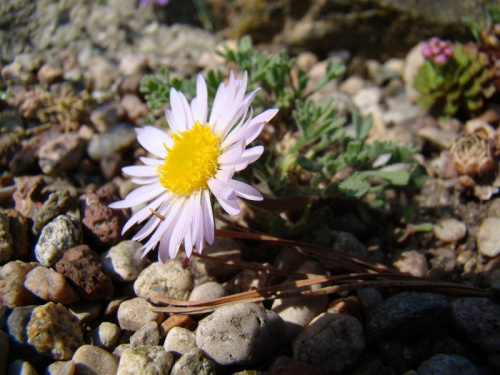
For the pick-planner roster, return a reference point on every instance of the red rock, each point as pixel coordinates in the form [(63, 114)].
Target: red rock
[(82, 267), (177, 320), (28, 195), (101, 225)]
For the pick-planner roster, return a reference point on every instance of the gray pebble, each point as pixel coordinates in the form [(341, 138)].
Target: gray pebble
[(135, 313), (12, 290), (238, 334), (449, 364), (58, 203), (169, 280), (450, 230), (59, 235), (61, 368), (145, 360), (407, 314), (123, 261), (148, 334), (413, 262), (488, 237), (478, 319), (115, 139), (223, 247), (194, 363), (91, 360), (331, 341), (61, 154), (206, 291), (106, 336), (180, 341)]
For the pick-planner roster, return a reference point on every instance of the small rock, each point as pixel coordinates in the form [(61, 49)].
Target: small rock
[(449, 364), (494, 209), (488, 237), (146, 360), (61, 154), (6, 241), (102, 225), (289, 366), (135, 313), (27, 195), (133, 63), (82, 266), (412, 262), (105, 114), (18, 228), (206, 291), (59, 235), (352, 85), (106, 336), (414, 59), (177, 320), (12, 290), (103, 72), (58, 203), (49, 74), (134, 107), (441, 139), (407, 314), (331, 341), (50, 286), (478, 319), (450, 230), (21, 367), (180, 341), (54, 331), (91, 360), (148, 334), (115, 139), (242, 333), (194, 363), (61, 368), (123, 261), (169, 280), (86, 311)]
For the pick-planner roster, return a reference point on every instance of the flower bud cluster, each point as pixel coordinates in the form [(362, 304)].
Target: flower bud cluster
[(437, 50)]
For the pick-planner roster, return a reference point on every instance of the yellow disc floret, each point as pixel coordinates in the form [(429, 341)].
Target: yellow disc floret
[(191, 161)]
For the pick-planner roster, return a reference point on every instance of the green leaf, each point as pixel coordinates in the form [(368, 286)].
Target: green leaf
[(355, 186), (398, 178), (308, 164)]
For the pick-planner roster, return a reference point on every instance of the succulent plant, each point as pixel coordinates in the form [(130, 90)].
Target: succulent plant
[(453, 82)]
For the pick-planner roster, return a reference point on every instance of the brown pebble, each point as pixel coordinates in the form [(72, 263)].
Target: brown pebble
[(177, 320), (50, 286)]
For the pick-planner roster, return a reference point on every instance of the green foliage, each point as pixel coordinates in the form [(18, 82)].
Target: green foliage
[(460, 84)]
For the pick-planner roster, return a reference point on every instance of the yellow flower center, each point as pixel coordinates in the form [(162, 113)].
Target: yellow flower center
[(191, 161)]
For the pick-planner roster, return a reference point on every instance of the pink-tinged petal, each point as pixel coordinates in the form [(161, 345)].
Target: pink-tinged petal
[(245, 191), (153, 140), (140, 170), (218, 107), (249, 156), (208, 217), (188, 244), (220, 189), (231, 206), (144, 181), (180, 227), (232, 153), (179, 122), (238, 132), (224, 175), (199, 104), (164, 251), (151, 161), (257, 123), (144, 193), (170, 216), (145, 212)]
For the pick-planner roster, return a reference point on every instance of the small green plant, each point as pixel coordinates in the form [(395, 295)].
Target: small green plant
[(461, 82)]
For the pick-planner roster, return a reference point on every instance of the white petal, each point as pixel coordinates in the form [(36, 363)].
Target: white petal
[(245, 191), (178, 117), (144, 193), (152, 140), (145, 212), (232, 153), (224, 175), (199, 104), (140, 170), (144, 181), (220, 189), (230, 206), (151, 161), (180, 227), (208, 217)]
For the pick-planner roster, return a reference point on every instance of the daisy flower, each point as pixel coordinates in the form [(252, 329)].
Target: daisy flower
[(195, 160)]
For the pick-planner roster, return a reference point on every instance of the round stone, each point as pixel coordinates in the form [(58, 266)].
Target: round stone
[(180, 341), (450, 230), (90, 359), (123, 261), (135, 313), (488, 237), (145, 359)]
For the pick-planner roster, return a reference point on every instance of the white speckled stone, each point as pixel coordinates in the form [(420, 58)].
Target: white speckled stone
[(135, 313), (180, 341), (123, 261), (206, 291), (145, 359)]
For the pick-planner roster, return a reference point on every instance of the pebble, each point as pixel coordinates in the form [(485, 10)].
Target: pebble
[(180, 341), (412, 262), (61, 368), (18, 228), (135, 313), (450, 230), (134, 107), (133, 63), (61, 154), (49, 73), (58, 236), (54, 331), (58, 203), (488, 237), (248, 279), (222, 247), (414, 59), (449, 364), (102, 225), (242, 333), (92, 360), (177, 320), (331, 341), (12, 290), (148, 334), (298, 312), (21, 367), (441, 139), (478, 319), (105, 114), (116, 139), (348, 244), (6, 241), (194, 363), (406, 315), (206, 291), (169, 280), (103, 72), (27, 195), (106, 336), (145, 360), (288, 366), (82, 266), (50, 286), (123, 261)]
